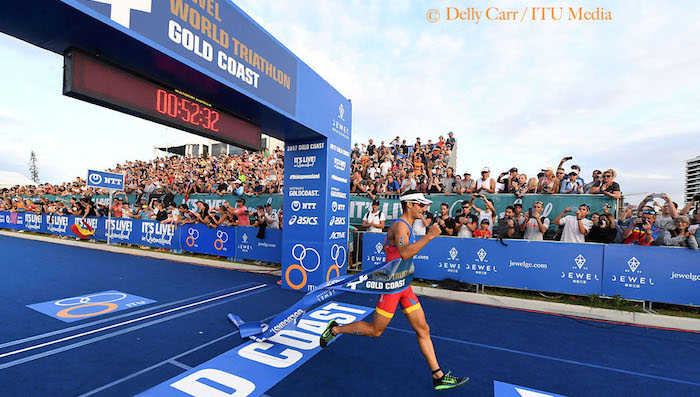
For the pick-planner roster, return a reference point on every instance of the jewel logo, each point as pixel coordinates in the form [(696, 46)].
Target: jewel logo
[(633, 264), (481, 254), (454, 252), (121, 9), (378, 248), (341, 112), (245, 237), (580, 261)]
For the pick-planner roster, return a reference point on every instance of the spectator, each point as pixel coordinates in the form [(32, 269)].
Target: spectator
[(435, 186), (485, 184), (535, 225), (468, 185), (575, 226), (549, 184), (448, 182), (445, 221), (508, 183), (272, 219), (489, 212), (483, 231), (595, 177), (451, 139), (409, 183), (643, 231), (561, 179), (518, 215), (681, 236), (572, 185), (603, 229), (421, 224), (467, 222), (507, 226), (242, 212), (374, 220), (608, 186), (519, 187)]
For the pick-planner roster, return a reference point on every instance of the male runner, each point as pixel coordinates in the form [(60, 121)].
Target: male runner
[(402, 243)]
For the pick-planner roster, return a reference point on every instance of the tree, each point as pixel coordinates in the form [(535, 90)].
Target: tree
[(33, 167)]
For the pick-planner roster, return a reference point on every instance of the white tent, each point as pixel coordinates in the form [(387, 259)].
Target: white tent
[(10, 179)]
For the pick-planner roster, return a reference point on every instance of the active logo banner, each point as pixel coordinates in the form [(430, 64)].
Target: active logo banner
[(89, 305)]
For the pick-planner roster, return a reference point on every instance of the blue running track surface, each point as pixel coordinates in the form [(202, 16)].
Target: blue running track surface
[(133, 348)]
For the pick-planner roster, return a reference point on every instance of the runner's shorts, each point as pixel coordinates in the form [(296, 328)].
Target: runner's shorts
[(387, 303)]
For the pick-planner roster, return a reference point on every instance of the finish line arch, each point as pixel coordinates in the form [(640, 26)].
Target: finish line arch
[(212, 54)]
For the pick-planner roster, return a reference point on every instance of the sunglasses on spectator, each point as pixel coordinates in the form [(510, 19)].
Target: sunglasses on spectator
[(607, 176), (650, 212)]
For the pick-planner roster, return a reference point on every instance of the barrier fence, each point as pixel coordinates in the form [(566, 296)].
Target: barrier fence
[(233, 242), (658, 274)]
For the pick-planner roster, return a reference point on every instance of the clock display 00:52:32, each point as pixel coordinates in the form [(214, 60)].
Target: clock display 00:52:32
[(188, 111)]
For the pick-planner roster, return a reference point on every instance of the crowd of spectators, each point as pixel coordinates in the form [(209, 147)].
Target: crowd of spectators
[(649, 223)]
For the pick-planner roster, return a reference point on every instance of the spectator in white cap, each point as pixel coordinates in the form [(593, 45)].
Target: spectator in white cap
[(485, 184)]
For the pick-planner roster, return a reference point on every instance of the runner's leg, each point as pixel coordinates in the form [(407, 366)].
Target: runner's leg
[(373, 328), (417, 320)]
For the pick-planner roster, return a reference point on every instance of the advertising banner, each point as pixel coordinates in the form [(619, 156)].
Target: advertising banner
[(249, 246), (659, 274), (205, 240), (105, 180), (534, 265)]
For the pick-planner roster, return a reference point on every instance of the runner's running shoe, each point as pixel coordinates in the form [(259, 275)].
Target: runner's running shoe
[(327, 336), (448, 382)]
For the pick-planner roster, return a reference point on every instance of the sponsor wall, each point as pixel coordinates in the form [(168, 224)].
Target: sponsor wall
[(233, 242), (660, 274)]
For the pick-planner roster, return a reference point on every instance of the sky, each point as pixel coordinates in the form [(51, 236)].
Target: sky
[(621, 94)]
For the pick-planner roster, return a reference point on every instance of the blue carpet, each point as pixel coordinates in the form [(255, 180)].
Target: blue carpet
[(551, 353)]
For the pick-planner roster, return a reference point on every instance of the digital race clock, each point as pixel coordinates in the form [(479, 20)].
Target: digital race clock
[(95, 81)]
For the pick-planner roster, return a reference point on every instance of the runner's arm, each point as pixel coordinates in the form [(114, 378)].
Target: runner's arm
[(402, 236)]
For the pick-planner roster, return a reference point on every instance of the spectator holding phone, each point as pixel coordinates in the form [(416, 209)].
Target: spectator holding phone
[(242, 212), (535, 225), (507, 226), (575, 226), (549, 184), (597, 176), (445, 221), (489, 212)]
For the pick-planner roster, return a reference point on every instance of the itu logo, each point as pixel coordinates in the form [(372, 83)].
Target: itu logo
[(121, 9), (306, 260), (339, 254), (87, 306), (192, 238), (221, 239)]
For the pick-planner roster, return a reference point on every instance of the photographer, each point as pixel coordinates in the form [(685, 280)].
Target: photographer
[(467, 222), (603, 231), (668, 213), (508, 182), (597, 177), (535, 225), (643, 231), (608, 186), (375, 219), (435, 187), (507, 226)]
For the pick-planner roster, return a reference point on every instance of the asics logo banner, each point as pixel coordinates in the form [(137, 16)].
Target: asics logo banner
[(303, 220)]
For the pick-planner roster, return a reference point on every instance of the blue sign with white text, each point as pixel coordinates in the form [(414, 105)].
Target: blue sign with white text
[(249, 246), (652, 273), (254, 367), (89, 305), (105, 180), (501, 389)]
